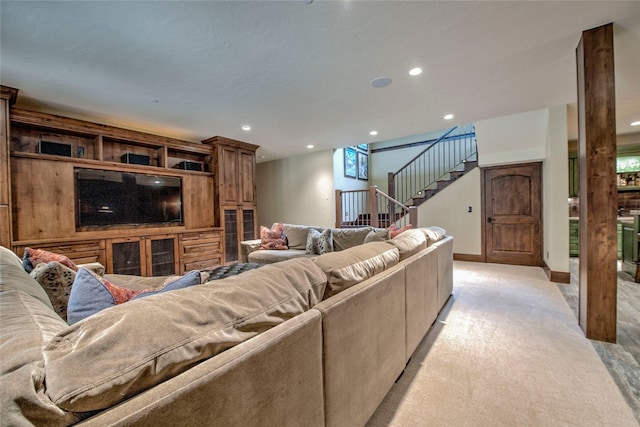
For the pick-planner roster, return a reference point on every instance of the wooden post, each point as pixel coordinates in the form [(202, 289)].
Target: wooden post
[(391, 185), (338, 208), (413, 216), (373, 206), (7, 98), (598, 192)]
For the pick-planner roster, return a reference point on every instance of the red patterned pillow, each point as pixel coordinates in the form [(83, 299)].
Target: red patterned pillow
[(33, 257), (394, 231), (273, 238)]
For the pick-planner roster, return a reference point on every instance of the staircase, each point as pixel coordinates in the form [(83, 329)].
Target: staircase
[(445, 160), (449, 158)]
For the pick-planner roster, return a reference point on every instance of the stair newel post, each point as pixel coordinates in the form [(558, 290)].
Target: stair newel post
[(413, 216), (391, 185), (338, 208), (373, 205)]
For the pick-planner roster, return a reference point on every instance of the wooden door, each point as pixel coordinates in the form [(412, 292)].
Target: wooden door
[(247, 180), (228, 180), (513, 214)]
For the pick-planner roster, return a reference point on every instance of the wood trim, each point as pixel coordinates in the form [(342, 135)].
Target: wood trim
[(221, 140), (556, 276), (468, 257), (51, 121)]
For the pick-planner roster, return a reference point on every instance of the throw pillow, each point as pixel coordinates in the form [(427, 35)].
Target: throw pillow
[(273, 238), (56, 279), (319, 243), (91, 293), (394, 231), (33, 257)]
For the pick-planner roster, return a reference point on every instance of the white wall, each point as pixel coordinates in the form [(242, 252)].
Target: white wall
[(380, 164), (297, 190), (512, 139), (450, 209), (556, 191)]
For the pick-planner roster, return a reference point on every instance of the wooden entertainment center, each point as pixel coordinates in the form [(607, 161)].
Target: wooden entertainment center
[(40, 155)]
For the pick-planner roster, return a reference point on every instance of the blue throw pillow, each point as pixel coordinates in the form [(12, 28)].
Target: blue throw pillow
[(91, 293)]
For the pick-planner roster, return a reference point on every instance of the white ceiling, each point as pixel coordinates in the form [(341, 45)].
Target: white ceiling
[(299, 72)]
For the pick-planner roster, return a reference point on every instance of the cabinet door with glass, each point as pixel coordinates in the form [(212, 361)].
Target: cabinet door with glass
[(143, 256), (239, 225)]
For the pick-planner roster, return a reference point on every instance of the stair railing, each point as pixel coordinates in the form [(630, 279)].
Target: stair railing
[(372, 207), (447, 153)]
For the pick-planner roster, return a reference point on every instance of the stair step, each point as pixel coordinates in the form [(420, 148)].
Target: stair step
[(456, 174), (443, 183), (470, 164)]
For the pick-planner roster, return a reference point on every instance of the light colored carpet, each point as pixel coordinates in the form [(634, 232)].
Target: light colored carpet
[(505, 351)]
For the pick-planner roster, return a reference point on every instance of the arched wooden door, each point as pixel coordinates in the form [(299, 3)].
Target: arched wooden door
[(513, 214)]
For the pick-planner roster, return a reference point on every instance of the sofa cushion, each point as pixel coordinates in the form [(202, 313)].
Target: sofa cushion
[(13, 277), (297, 235), (120, 352), (273, 238), (270, 257), (354, 265), (319, 243), (409, 242), (91, 293), (434, 234), (56, 279), (27, 325), (33, 257), (344, 238), (7, 256)]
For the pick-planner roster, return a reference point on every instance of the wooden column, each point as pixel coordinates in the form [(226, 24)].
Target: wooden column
[(598, 192), (7, 98)]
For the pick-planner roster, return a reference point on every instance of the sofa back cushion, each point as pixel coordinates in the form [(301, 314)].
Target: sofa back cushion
[(123, 350), (409, 242), (345, 238), (14, 277), (297, 235), (26, 326), (354, 265)]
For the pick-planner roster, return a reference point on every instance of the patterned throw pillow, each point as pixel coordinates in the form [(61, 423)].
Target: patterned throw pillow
[(394, 231), (319, 243), (91, 293), (33, 257), (56, 279), (273, 238)]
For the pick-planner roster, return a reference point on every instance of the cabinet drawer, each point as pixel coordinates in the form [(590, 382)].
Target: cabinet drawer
[(200, 264), (79, 252), (195, 237)]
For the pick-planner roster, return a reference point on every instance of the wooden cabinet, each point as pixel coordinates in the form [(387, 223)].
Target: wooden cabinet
[(234, 192), (40, 158)]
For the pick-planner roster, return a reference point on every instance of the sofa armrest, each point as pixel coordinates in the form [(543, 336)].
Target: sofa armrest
[(248, 246)]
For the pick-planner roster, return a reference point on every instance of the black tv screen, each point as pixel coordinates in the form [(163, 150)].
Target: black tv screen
[(116, 198)]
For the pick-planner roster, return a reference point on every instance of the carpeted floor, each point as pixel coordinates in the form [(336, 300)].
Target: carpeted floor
[(505, 351)]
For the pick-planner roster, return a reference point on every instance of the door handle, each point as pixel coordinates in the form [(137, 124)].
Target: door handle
[(489, 219)]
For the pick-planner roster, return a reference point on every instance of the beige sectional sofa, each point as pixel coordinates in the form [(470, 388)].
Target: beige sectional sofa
[(315, 341)]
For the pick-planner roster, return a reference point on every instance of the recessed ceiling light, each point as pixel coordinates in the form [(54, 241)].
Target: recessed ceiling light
[(373, 133), (415, 71), (636, 123), (310, 146), (448, 117), (246, 128), (381, 82)]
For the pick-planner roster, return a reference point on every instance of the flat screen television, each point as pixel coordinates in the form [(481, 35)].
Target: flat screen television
[(105, 198)]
